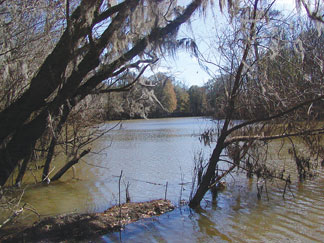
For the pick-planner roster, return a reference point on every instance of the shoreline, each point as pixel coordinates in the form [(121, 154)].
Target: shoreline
[(76, 227)]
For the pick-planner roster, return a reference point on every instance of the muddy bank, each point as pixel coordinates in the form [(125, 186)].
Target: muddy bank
[(76, 227)]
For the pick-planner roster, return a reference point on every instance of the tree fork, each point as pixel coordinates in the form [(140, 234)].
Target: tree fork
[(210, 173)]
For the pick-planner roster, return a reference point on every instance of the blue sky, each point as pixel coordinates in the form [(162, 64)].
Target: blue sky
[(184, 66)]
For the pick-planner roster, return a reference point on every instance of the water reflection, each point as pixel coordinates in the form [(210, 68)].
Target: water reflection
[(153, 152)]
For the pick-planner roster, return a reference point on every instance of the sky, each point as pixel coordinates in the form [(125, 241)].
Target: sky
[(185, 67)]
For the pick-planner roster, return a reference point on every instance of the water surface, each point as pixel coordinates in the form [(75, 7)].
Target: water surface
[(154, 152)]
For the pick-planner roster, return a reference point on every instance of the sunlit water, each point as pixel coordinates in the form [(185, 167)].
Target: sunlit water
[(151, 153)]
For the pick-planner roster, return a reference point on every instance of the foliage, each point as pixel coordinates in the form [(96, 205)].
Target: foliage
[(198, 100), (169, 100), (183, 100)]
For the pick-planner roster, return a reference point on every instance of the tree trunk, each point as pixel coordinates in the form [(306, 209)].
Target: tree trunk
[(72, 162), (50, 154), (18, 147), (206, 181), (24, 167)]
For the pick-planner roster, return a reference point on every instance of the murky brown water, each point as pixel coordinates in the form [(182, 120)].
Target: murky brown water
[(162, 150)]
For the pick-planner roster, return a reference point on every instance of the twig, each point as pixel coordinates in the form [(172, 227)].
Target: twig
[(15, 213), (128, 199), (35, 178), (181, 189), (286, 184), (13, 216)]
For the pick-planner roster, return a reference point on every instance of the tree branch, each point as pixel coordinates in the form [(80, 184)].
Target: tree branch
[(109, 12), (280, 114), (273, 137)]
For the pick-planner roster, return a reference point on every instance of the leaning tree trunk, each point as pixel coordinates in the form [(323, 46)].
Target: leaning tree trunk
[(18, 147), (206, 181), (49, 76), (68, 165)]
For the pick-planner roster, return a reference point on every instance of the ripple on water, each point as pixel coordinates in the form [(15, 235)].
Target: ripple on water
[(160, 151)]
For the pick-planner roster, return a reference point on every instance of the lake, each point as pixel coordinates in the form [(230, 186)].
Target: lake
[(156, 152)]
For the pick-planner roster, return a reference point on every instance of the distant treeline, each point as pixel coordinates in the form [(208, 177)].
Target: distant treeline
[(159, 96), (162, 95)]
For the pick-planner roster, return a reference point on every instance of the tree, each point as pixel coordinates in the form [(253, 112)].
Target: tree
[(198, 101), (99, 43), (21, 31), (215, 95), (164, 92), (138, 102), (169, 99), (253, 84), (183, 102)]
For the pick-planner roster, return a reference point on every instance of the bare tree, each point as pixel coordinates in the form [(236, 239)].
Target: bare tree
[(272, 99)]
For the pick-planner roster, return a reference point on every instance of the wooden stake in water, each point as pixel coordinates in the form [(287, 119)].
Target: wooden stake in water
[(166, 190), (121, 174)]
